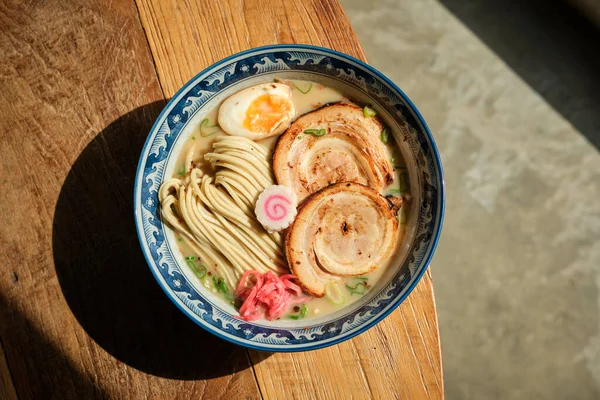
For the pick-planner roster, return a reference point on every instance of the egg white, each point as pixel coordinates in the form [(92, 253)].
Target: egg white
[(232, 112)]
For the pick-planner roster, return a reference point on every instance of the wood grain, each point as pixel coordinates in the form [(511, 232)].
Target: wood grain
[(400, 357), (80, 316), (188, 36), (7, 387)]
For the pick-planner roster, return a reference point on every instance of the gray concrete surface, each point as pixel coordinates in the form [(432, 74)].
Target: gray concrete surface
[(517, 271)]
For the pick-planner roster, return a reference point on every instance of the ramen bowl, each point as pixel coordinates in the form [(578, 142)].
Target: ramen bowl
[(358, 82)]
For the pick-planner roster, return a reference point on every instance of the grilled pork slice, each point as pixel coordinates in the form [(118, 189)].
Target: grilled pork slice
[(335, 143), (346, 229)]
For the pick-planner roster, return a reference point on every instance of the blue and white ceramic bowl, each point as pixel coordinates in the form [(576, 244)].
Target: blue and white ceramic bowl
[(357, 81)]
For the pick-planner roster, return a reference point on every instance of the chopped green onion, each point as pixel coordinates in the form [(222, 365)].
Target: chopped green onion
[(299, 137), (230, 298), (393, 161), (191, 258), (182, 170), (221, 285), (180, 239), (385, 136), (202, 272), (404, 183), (402, 216), (356, 289), (369, 112), (302, 314), (191, 265), (315, 132), (193, 137), (199, 270), (303, 91), (333, 293), (204, 125)]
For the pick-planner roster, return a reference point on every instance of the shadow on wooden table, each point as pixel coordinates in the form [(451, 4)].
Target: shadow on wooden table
[(31, 348), (102, 271)]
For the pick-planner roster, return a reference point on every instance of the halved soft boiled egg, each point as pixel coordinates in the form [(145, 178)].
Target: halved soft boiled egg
[(258, 112)]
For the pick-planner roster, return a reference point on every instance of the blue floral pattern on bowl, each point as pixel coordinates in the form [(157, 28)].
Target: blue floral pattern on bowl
[(205, 86)]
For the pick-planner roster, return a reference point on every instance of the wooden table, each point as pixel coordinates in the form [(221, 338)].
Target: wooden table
[(81, 83)]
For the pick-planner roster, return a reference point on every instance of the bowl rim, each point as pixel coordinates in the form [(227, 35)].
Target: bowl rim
[(426, 259)]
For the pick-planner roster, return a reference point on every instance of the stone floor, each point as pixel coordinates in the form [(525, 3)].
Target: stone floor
[(514, 109)]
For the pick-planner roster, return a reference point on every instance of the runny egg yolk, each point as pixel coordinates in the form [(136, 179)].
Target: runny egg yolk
[(265, 113)]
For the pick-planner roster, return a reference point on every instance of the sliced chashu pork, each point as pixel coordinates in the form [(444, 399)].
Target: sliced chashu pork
[(346, 229), (351, 150)]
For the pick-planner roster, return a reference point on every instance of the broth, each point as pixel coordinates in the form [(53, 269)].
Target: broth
[(201, 138)]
